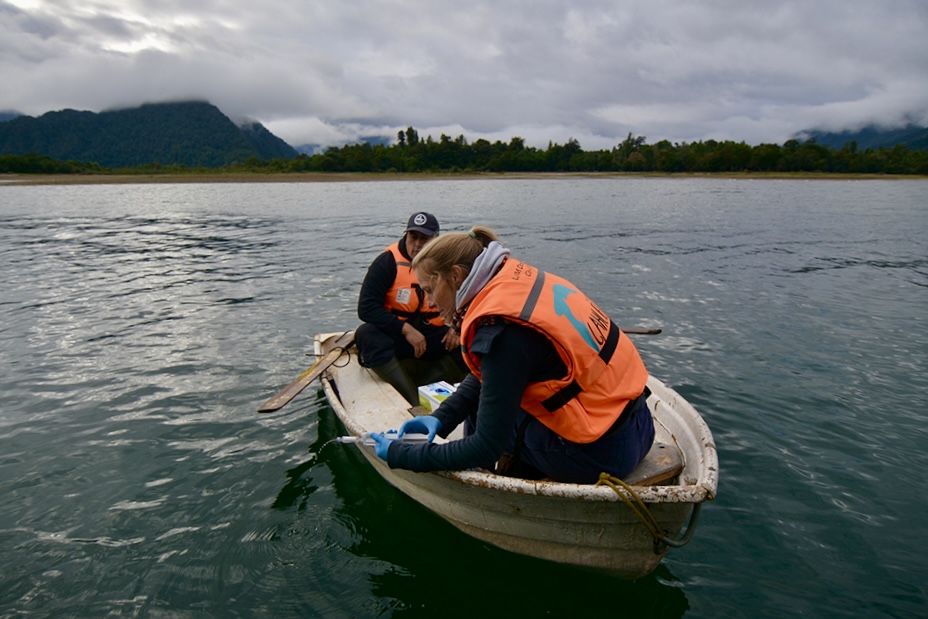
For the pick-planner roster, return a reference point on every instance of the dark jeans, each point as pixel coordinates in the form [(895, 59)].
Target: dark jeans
[(617, 452), (375, 347)]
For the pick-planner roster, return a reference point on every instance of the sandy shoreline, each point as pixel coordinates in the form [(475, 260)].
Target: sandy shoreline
[(218, 177), (353, 177)]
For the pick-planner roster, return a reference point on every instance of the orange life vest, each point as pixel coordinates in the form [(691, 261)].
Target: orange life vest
[(406, 298), (604, 370)]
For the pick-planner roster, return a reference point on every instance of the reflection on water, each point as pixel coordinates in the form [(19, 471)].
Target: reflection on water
[(144, 324)]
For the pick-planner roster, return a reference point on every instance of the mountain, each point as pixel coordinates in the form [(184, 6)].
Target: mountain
[(873, 137), (191, 133), (266, 143), (8, 115)]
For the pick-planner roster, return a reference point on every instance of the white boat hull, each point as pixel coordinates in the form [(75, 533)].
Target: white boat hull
[(579, 524)]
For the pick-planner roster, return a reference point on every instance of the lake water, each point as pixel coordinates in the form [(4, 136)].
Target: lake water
[(143, 324)]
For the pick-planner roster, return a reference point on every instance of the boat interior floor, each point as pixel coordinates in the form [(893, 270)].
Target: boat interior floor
[(663, 463)]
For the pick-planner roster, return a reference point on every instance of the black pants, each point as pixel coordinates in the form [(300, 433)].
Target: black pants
[(376, 347)]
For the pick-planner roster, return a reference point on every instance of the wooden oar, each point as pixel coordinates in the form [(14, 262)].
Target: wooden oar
[(302, 381), (641, 331)]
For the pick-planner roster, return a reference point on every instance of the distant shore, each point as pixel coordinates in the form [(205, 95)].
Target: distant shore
[(352, 177)]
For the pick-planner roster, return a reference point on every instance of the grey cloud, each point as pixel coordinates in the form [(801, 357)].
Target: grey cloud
[(545, 70)]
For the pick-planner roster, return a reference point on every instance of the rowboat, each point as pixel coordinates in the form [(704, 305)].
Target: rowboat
[(624, 527)]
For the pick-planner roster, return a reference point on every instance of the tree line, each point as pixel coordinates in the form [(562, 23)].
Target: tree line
[(634, 154), (410, 154)]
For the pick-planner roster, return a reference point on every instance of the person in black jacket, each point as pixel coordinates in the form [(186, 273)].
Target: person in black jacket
[(403, 339)]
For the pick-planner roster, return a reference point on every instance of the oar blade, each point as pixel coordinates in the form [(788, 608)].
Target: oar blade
[(285, 395), (292, 390)]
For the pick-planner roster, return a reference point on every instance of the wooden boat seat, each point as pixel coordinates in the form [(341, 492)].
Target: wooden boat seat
[(662, 463)]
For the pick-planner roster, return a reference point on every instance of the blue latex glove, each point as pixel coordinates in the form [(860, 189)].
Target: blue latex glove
[(425, 424), (381, 445)]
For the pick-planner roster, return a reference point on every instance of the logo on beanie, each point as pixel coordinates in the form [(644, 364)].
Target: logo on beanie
[(420, 219)]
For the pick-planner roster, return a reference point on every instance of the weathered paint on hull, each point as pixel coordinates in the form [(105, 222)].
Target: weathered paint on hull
[(600, 534)]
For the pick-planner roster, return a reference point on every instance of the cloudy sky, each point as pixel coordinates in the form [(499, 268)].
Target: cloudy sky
[(329, 71)]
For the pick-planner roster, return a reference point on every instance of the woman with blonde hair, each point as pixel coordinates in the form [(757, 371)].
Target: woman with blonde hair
[(556, 389)]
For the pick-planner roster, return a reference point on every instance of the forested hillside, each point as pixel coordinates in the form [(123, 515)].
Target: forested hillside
[(194, 134)]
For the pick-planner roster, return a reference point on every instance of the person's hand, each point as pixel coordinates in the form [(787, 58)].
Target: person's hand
[(415, 339), (381, 445), (424, 424), (451, 340)]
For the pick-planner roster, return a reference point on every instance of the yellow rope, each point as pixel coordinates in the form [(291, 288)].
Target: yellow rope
[(638, 507)]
